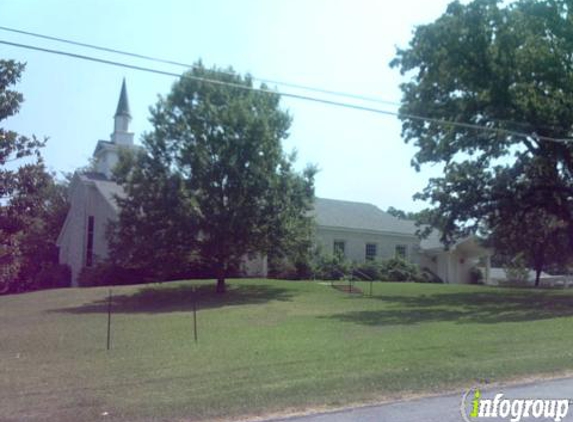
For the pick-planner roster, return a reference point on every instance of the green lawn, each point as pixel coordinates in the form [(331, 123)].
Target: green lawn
[(266, 346)]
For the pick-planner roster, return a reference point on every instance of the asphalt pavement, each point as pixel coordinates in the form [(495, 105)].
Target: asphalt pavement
[(448, 408)]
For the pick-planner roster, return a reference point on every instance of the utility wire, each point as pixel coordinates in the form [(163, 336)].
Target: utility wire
[(291, 95), (192, 66)]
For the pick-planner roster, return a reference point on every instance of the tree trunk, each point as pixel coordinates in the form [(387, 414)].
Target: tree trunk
[(221, 287), (538, 266), (537, 275)]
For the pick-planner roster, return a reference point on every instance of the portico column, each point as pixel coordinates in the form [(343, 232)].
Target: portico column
[(487, 268)]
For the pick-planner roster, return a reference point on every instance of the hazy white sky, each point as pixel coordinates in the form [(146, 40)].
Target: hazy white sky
[(337, 45)]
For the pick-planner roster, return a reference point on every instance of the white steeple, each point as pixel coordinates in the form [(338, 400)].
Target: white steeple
[(106, 154), (121, 134)]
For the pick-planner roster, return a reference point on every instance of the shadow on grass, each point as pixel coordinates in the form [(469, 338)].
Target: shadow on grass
[(472, 307), (165, 298)]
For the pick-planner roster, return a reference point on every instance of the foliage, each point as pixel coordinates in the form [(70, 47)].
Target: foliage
[(281, 268), (331, 267), (368, 270), (399, 269), (546, 240), (476, 276), (336, 267), (52, 276), (516, 271), (108, 274), (505, 67), (420, 217), (303, 265), (285, 269), (156, 231), (213, 184), (33, 204), (429, 276)]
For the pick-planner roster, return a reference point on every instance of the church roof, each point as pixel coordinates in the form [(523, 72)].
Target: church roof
[(107, 188), (123, 103), (110, 191), (334, 213), (432, 241)]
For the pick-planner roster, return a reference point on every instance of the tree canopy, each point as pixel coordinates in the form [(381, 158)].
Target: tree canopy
[(212, 184), (507, 70), (32, 203)]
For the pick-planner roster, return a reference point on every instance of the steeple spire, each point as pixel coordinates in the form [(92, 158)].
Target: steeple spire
[(123, 103), (121, 134)]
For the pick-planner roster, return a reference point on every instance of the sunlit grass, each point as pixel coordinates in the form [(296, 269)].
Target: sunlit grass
[(265, 346)]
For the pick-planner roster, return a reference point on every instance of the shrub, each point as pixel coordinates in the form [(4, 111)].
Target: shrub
[(398, 269), (369, 270), (428, 276), (106, 274), (53, 276), (476, 276), (304, 270), (331, 267), (282, 268), (516, 271)]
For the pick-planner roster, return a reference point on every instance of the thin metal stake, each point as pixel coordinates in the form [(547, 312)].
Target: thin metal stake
[(370, 288), (109, 321), (194, 315)]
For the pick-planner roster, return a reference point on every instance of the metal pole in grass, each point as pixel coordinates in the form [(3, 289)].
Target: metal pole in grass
[(194, 315), (109, 320), (370, 287)]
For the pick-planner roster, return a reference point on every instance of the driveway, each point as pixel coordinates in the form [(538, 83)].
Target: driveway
[(447, 408)]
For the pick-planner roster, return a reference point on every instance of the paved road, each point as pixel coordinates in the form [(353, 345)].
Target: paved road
[(447, 408)]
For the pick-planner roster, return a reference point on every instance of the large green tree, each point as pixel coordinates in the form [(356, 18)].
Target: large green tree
[(32, 203), (212, 184), (507, 68)]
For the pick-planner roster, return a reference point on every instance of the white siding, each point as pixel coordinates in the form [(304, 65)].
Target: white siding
[(355, 243), (85, 200)]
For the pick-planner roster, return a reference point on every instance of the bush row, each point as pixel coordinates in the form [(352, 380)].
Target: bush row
[(330, 267)]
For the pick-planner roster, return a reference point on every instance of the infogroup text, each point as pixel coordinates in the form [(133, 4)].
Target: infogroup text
[(514, 410)]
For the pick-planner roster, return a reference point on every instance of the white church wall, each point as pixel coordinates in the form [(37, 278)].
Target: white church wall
[(255, 266), (106, 161), (71, 251), (103, 213), (85, 201), (355, 243)]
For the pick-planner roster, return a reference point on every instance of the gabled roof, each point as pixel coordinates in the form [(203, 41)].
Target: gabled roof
[(333, 213), (123, 103), (101, 145), (432, 241), (92, 176), (107, 188), (470, 245)]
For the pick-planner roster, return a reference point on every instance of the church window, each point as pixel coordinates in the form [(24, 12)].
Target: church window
[(371, 251), (90, 242)]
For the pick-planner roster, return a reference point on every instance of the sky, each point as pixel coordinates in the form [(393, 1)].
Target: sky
[(341, 45)]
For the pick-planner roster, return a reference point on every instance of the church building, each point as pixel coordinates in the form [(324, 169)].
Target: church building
[(358, 231), (82, 241)]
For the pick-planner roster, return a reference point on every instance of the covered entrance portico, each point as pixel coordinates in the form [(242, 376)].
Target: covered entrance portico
[(455, 264)]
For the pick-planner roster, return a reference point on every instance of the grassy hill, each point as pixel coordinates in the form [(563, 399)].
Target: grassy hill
[(265, 346)]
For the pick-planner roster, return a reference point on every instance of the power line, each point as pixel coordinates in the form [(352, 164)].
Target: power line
[(290, 95), (263, 80), (192, 66)]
